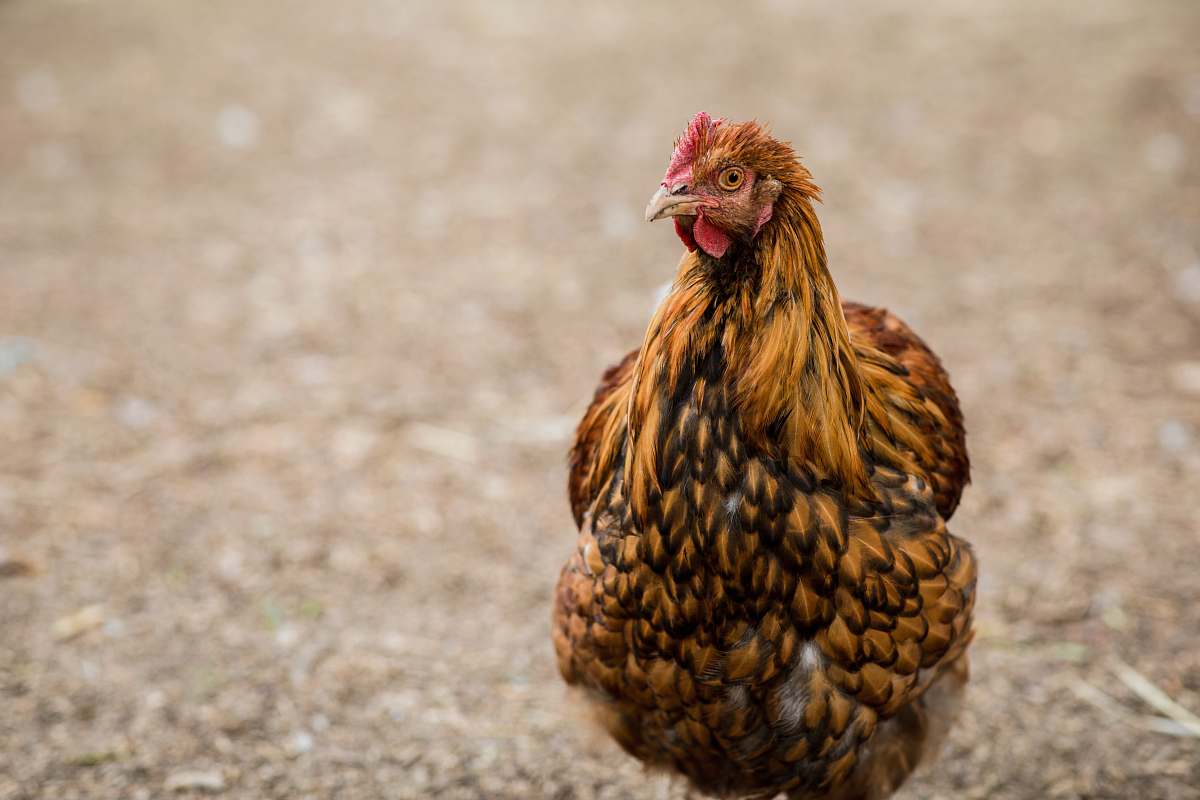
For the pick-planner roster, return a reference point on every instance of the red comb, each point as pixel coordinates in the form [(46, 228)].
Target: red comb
[(685, 148)]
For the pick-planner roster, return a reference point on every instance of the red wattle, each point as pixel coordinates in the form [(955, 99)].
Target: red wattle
[(685, 235), (710, 238)]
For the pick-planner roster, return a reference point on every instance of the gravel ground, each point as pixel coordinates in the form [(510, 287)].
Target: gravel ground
[(298, 309)]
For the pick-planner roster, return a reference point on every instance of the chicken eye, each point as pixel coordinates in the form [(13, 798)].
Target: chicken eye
[(731, 178)]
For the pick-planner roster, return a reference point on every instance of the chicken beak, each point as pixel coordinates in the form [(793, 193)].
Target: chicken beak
[(665, 204)]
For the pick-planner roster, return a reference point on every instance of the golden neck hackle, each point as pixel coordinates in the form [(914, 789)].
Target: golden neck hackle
[(790, 367)]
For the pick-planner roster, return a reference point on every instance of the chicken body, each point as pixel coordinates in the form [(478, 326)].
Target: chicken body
[(764, 596)]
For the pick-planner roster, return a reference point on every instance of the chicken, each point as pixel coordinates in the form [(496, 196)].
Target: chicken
[(763, 595)]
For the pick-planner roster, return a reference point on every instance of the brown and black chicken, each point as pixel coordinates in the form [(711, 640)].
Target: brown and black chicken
[(764, 596)]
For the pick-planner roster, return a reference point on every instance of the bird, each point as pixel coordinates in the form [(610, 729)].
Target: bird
[(763, 596)]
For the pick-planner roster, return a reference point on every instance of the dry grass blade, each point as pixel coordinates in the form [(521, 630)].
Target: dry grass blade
[(78, 622), (1097, 698), (1157, 698), (1092, 695), (443, 442)]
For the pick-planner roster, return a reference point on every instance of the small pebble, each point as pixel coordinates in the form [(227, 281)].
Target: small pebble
[(13, 353), (12, 566), (1185, 376), (1187, 283), (1174, 437), (351, 444), (299, 743), (237, 127), (136, 413)]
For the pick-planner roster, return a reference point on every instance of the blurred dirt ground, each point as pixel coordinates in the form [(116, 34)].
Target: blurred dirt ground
[(298, 307)]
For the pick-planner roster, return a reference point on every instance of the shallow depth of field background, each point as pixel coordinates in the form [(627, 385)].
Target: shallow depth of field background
[(299, 304)]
